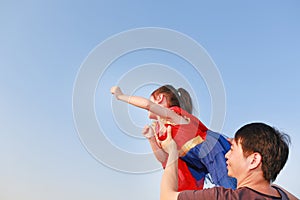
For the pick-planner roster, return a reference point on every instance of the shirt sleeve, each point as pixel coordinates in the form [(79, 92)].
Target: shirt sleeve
[(218, 193), (197, 194)]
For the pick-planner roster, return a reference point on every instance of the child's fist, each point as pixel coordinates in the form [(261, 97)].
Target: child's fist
[(116, 91)]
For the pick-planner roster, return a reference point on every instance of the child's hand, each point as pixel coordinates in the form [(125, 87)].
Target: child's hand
[(148, 132), (116, 91)]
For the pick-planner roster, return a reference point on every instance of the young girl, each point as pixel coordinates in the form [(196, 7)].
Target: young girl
[(201, 151)]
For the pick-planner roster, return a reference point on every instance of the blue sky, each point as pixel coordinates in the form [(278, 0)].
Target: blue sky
[(255, 46)]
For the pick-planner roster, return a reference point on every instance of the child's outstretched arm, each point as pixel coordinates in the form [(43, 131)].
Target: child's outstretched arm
[(137, 101), (146, 104)]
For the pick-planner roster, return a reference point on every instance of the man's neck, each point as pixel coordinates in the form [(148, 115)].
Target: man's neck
[(259, 184)]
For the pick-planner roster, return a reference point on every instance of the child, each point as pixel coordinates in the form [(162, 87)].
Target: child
[(201, 151)]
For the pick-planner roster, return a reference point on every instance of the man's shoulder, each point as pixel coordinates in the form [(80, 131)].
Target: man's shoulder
[(284, 194), (222, 193)]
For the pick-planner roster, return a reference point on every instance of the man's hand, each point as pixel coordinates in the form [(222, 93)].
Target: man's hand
[(169, 145)]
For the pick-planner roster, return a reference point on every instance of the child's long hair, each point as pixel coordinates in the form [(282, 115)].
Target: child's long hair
[(179, 97)]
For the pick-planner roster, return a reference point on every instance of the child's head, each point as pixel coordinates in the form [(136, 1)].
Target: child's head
[(179, 97)]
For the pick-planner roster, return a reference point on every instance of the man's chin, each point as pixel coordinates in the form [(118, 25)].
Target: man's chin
[(228, 172)]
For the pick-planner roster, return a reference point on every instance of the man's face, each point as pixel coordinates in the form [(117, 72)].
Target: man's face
[(236, 161)]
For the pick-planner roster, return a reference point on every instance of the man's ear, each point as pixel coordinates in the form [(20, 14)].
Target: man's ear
[(255, 160)]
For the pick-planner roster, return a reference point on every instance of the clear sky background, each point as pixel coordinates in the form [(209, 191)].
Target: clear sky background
[(255, 45)]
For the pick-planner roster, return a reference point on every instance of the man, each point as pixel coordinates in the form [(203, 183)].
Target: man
[(257, 155)]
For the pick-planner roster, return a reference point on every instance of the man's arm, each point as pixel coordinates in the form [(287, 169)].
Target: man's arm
[(168, 187)]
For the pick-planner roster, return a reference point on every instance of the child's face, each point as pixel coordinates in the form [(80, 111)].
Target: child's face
[(150, 114), (160, 100)]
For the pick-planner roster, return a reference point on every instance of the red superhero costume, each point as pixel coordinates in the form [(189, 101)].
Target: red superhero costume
[(194, 162)]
